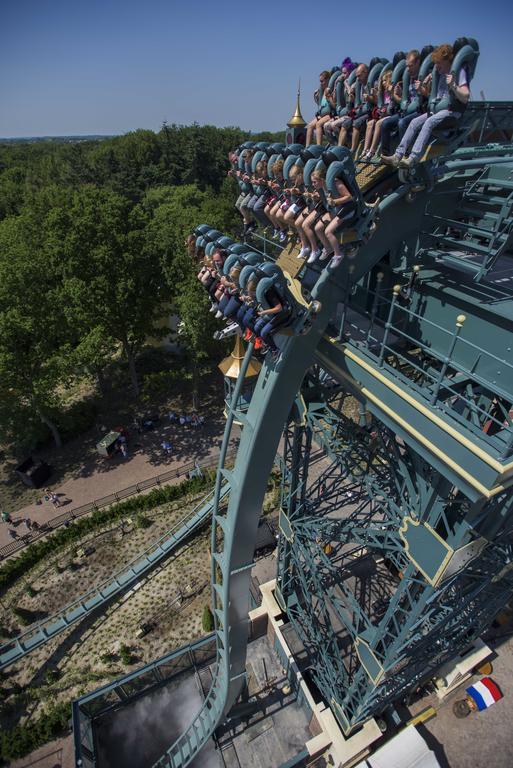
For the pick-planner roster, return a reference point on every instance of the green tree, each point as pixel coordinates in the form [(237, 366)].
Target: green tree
[(113, 285), (207, 619), (36, 342)]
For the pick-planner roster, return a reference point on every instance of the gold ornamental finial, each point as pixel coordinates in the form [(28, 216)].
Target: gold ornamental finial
[(231, 365), (297, 119)]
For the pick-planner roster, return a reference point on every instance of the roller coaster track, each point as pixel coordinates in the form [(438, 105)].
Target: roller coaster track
[(234, 530), (98, 596)]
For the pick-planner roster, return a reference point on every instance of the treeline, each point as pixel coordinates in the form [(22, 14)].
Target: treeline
[(129, 165), (92, 257)]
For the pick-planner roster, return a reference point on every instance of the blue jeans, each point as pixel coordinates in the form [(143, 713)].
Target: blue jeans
[(246, 317), (230, 307), (388, 127), (419, 131), (265, 327), (259, 214)]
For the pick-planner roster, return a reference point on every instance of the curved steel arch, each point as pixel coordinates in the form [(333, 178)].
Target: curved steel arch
[(272, 400)]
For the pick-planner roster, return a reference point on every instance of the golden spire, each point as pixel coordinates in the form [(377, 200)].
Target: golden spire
[(231, 365), (297, 119)]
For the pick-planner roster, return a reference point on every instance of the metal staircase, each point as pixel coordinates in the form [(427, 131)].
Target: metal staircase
[(477, 232)]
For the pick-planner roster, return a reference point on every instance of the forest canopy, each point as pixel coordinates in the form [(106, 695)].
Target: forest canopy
[(92, 254)]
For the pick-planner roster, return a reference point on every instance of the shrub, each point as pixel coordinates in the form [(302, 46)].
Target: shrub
[(125, 654), (207, 620), (29, 589), (141, 521), (52, 675), (22, 739)]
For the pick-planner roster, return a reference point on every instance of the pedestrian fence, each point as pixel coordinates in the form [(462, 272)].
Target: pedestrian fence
[(112, 498)]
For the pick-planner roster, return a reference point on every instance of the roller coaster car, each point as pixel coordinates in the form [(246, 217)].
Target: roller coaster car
[(270, 275), (340, 165), (450, 130)]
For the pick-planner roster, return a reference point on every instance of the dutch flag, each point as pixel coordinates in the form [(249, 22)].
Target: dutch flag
[(485, 693)]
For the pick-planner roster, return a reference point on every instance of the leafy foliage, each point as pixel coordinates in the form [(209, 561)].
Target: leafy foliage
[(207, 620), (22, 739), (92, 257)]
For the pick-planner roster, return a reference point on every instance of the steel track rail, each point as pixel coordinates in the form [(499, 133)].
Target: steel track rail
[(98, 596)]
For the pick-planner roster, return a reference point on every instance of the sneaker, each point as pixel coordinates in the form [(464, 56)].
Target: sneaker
[(392, 160), (213, 308), (282, 236), (218, 315), (351, 252), (304, 252), (275, 234), (336, 259), (314, 256), (408, 162), (258, 343), (247, 334), (275, 353), (325, 255)]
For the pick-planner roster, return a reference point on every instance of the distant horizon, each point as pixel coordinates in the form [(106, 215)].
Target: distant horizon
[(124, 133), (103, 69)]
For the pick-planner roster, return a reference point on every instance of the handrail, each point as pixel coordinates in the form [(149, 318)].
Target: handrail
[(441, 382), (101, 593)]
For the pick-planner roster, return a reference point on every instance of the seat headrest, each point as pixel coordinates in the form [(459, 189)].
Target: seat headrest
[(467, 57), (273, 158), (271, 270), (256, 159), (397, 57), (202, 229), (308, 170), (224, 242), (287, 165), (332, 154), (292, 149), (426, 51), (246, 272), (237, 248), (263, 286), (461, 42), (334, 74), (314, 150), (212, 235), (230, 262), (251, 257)]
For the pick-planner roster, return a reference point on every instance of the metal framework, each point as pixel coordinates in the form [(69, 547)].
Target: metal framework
[(396, 550)]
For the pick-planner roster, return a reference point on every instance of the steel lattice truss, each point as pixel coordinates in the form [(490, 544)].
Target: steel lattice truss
[(373, 625)]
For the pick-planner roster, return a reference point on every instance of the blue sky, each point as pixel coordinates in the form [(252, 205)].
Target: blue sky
[(79, 67)]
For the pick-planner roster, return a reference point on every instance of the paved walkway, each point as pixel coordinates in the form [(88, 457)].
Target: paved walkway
[(100, 477), (56, 754)]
